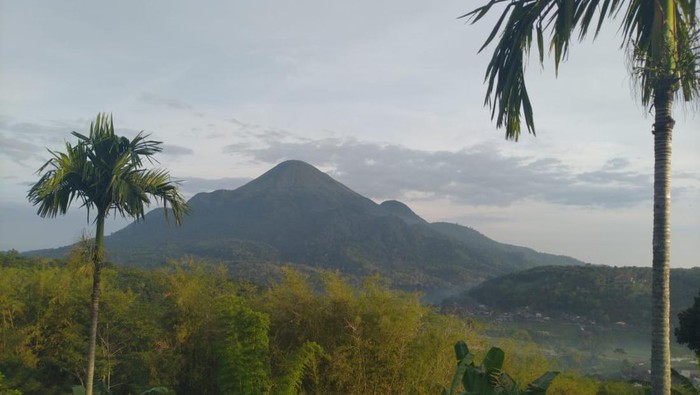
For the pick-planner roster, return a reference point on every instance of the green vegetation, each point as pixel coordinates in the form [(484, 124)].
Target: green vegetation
[(105, 173), (688, 330), (190, 328), (489, 378), (5, 390), (374, 340), (603, 294)]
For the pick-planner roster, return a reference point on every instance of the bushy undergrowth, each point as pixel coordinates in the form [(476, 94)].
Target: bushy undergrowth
[(189, 328)]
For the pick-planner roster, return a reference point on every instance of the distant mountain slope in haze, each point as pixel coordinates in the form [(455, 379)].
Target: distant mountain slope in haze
[(522, 256), (599, 293), (296, 214)]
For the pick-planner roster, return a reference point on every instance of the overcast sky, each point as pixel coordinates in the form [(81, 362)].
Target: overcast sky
[(387, 97)]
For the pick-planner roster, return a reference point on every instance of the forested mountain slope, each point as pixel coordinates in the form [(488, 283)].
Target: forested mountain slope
[(602, 294), (296, 214)]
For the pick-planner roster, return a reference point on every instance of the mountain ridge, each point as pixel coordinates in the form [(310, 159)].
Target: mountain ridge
[(295, 214)]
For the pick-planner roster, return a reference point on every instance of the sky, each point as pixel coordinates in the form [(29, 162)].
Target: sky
[(387, 97)]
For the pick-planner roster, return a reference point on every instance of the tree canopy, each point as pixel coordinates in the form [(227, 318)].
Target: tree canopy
[(688, 330)]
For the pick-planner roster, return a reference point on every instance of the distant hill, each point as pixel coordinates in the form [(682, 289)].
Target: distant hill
[(600, 293), (296, 214), (499, 252)]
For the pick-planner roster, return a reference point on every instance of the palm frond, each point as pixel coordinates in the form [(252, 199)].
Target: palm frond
[(145, 148), (104, 171), (664, 56), (556, 21), (507, 93), (161, 187), (54, 191)]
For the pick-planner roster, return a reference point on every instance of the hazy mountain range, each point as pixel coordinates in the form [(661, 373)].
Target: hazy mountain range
[(297, 215)]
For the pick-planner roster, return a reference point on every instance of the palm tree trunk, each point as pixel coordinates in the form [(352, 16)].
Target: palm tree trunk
[(661, 244), (97, 267)]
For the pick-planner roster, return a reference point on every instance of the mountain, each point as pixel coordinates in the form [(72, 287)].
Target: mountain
[(515, 255), (296, 214), (402, 211), (602, 294)]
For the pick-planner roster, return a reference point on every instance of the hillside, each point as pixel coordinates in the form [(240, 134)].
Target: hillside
[(596, 293), (296, 214), (521, 256)]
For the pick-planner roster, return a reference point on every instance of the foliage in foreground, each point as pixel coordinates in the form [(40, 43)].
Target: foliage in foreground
[(489, 378), (188, 328)]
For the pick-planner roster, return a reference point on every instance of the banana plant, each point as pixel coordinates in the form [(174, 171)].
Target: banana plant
[(488, 378)]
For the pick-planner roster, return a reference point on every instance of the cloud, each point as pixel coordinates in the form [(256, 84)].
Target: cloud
[(23, 141), (616, 164), (176, 150), (255, 136), (274, 134), (193, 185), (17, 149), (167, 102), (685, 175), (235, 147), (242, 126), (238, 122), (480, 175)]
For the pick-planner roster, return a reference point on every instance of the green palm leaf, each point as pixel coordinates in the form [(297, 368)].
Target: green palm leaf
[(557, 21)]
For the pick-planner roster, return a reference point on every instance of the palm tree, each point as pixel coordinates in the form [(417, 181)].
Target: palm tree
[(662, 37), (104, 171)]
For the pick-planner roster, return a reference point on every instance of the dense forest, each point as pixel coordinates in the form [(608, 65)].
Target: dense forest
[(602, 294), (190, 328)]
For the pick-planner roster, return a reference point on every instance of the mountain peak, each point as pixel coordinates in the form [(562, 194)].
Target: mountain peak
[(402, 211), (302, 185), (295, 165), (293, 173)]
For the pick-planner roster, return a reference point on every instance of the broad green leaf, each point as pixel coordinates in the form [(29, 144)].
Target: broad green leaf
[(494, 359), (461, 350)]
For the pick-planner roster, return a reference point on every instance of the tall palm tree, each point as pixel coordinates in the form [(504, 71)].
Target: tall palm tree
[(662, 37), (105, 172)]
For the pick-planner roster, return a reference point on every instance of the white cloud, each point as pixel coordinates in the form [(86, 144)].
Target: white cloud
[(480, 175)]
